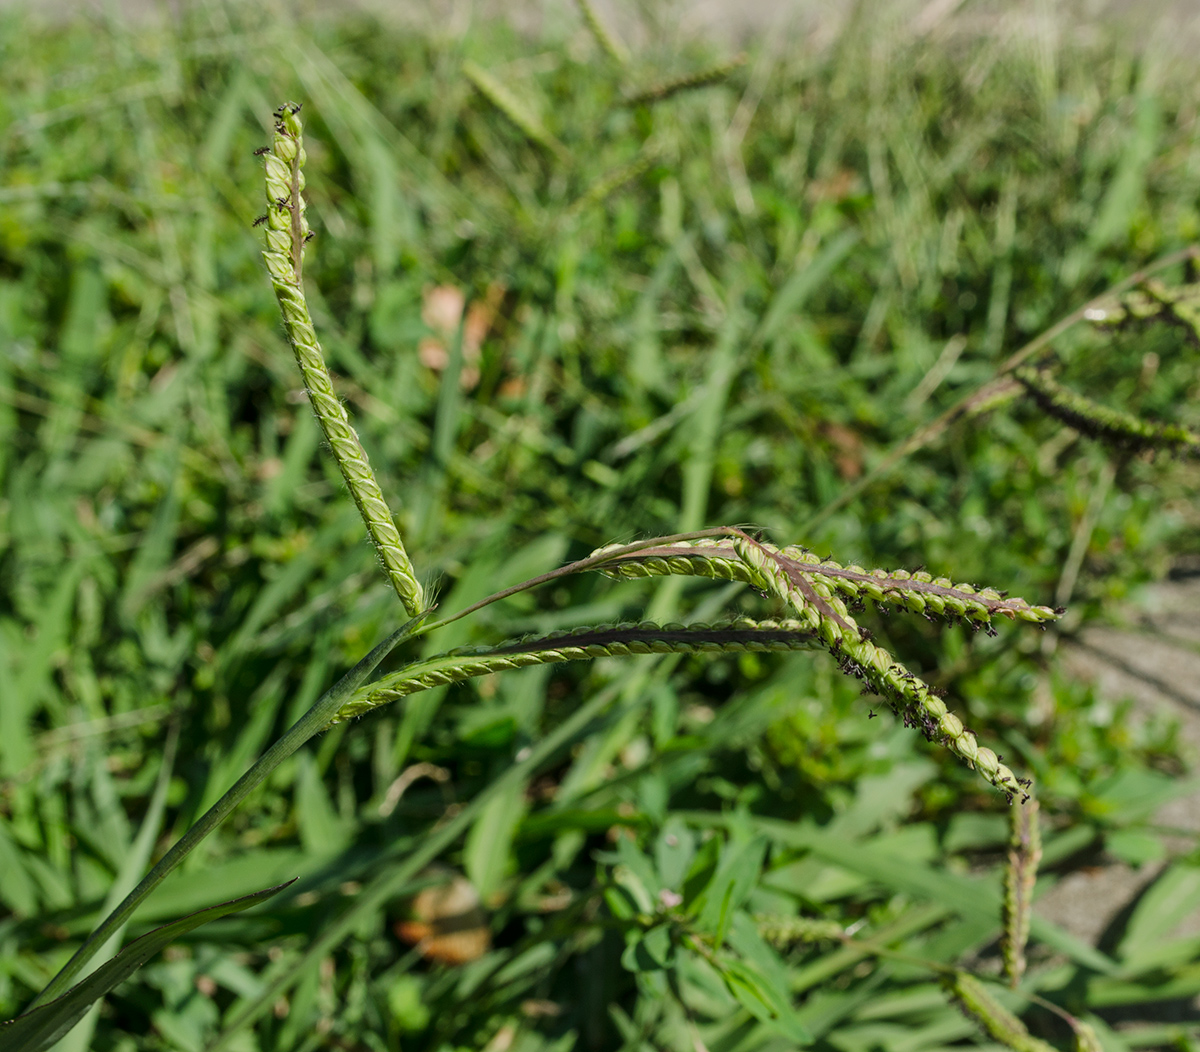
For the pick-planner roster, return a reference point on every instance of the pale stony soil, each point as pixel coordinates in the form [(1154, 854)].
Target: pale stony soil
[(1153, 659), (1167, 23)]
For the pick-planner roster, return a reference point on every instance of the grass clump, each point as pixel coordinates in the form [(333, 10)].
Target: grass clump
[(562, 315)]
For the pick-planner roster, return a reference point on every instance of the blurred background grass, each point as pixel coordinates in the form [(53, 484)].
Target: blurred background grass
[(724, 307)]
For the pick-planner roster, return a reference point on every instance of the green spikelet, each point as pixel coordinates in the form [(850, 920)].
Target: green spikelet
[(978, 1004), (916, 591), (287, 232), (688, 82), (824, 613), (1020, 875), (599, 641), (783, 932), (1100, 422), (526, 121)]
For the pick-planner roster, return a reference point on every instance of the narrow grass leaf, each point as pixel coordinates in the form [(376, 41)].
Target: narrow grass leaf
[(40, 1028)]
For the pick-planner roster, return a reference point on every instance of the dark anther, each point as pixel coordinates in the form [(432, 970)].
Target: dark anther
[(309, 236), (261, 150), (260, 220)]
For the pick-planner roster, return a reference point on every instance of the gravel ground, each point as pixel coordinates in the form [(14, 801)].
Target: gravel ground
[(1154, 659)]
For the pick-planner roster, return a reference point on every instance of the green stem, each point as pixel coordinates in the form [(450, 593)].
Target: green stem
[(311, 723), (592, 562)]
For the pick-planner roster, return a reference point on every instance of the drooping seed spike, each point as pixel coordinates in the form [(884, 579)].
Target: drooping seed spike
[(1101, 422), (739, 636)]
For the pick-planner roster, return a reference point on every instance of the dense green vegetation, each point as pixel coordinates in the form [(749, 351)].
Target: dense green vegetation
[(725, 305)]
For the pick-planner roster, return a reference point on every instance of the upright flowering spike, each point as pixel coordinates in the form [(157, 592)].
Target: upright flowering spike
[(287, 232)]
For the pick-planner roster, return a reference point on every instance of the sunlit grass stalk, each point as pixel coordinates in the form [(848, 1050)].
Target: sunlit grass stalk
[(917, 591), (287, 232)]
